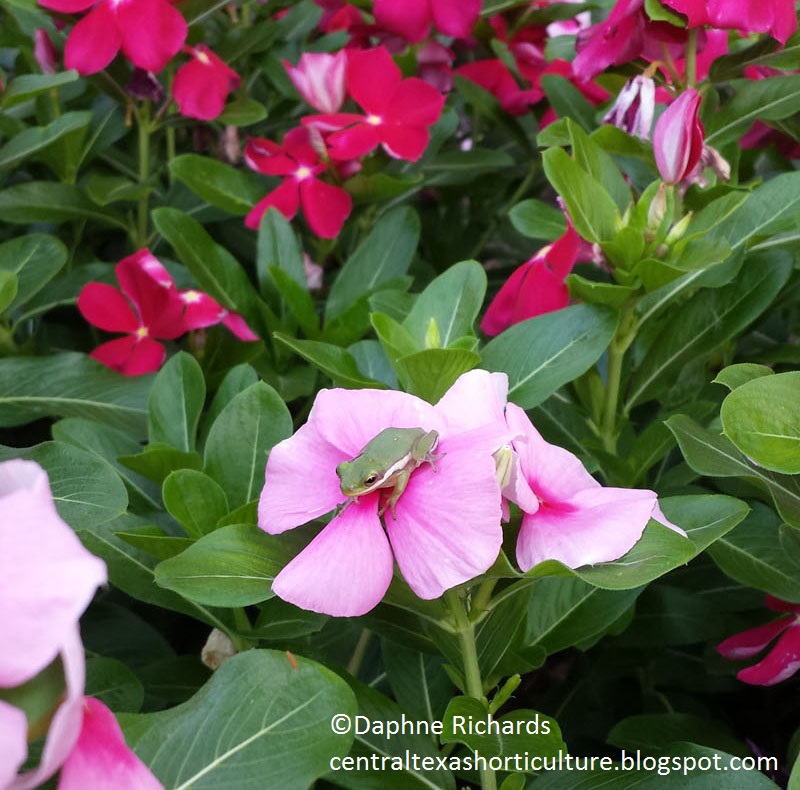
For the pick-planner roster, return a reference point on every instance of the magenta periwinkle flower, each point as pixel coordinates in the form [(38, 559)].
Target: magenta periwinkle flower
[(412, 19), (783, 660), (320, 79), (678, 137), (202, 85), (149, 33), (446, 526)]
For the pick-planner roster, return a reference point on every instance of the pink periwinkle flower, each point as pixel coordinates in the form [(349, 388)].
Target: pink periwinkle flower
[(202, 85), (435, 65), (149, 33), (412, 19), (44, 51), (325, 207), (446, 527), (778, 18), (678, 137), (320, 79), (536, 287), (495, 77), (782, 661), (399, 112), (634, 107), (567, 515)]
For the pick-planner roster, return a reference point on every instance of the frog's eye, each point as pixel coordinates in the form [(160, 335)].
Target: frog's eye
[(370, 479)]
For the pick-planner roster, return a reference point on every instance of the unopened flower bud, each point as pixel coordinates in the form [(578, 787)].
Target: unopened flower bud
[(320, 79), (678, 137), (44, 51), (633, 110), (143, 85)]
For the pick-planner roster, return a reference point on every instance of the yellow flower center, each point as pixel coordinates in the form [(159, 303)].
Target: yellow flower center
[(142, 332)]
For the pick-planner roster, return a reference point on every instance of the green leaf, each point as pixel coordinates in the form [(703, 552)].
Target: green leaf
[(568, 101), (591, 208), (154, 541), (195, 501), (521, 732), (232, 566), (753, 555), (27, 86), (233, 190), (105, 190), (242, 112), (430, 373), (8, 289), (383, 256), (87, 492), (35, 259), (278, 246), (240, 440), (112, 682), (712, 454), (544, 353), (262, 717), (452, 301), (595, 292), (707, 321), (50, 201), (176, 402), (298, 300), (769, 99), (31, 141), (762, 418), (734, 376), (537, 220), (70, 385), (419, 683), (462, 167), (331, 360), (159, 460)]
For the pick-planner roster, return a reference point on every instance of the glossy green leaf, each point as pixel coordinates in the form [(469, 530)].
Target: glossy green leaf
[(233, 190), (32, 141), (159, 460), (430, 373), (762, 418), (70, 385), (195, 501), (8, 289), (537, 220), (242, 112), (35, 259), (49, 201), (176, 402), (240, 440), (114, 683), (27, 86), (262, 717), (544, 353), (734, 376)]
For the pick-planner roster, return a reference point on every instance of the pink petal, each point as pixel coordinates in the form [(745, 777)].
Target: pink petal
[(678, 137), (200, 310), (298, 145), (202, 85), (106, 308), (372, 77), (320, 79), (331, 122), (353, 142), (130, 356), (48, 578), (502, 310), (555, 474), (268, 158), (695, 11), (415, 103), (776, 17), (100, 757), (285, 198), (13, 742), (148, 262), (777, 605), (455, 17), (286, 501), (159, 306), (779, 664), (93, 42), (448, 528), (236, 324), (345, 570), (595, 525), (325, 207), (404, 142), (67, 6), (754, 640), (477, 398), (153, 32), (65, 724), (409, 18), (348, 419)]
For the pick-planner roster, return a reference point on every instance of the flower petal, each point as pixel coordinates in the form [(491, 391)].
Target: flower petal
[(404, 142), (345, 570), (106, 308), (202, 85), (348, 419), (455, 17), (159, 306), (372, 77), (595, 525), (754, 640), (153, 32), (477, 398), (100, 757), (353, 142), (779, 664), (200, 310), (93, 42), (130, 356), (448, 528), (285, 198), (13, 742), (409, 18), (238, 326), (285, 501), (415, 103), (325, 207), (48, 577)]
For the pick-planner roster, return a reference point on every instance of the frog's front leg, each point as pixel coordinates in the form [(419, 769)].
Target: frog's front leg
[(400, 483)]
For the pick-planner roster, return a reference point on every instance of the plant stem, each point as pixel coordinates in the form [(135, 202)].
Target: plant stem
[(691, 58), (472, 673), (143, 122), (359, 652), (608, 428)]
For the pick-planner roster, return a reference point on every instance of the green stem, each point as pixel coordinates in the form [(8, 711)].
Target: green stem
[(359, 652), (609, 425), (143, 120), (481, 599), (472, 673), (691, 58)]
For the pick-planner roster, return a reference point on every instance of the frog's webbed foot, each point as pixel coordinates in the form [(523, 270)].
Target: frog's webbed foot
[(341, 508), (432, 459)]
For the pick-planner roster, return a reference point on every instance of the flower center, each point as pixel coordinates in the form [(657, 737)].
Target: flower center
[(142, 332), (202, 57), (302, 173), (374, 120), (190, 297)]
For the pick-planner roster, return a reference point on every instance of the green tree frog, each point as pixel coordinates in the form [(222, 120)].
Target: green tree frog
[(387, 461)]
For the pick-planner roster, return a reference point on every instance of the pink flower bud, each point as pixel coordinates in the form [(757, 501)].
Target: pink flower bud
[(320, 79), (678, 137), (633, 110), (44, 51)]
